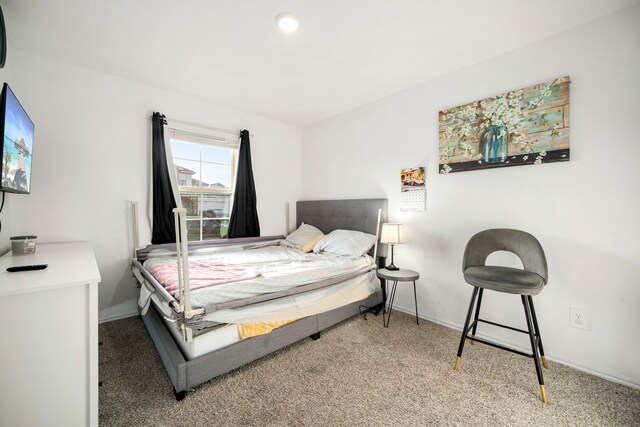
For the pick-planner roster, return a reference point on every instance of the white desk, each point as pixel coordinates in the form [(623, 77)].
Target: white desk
[(49, 338)]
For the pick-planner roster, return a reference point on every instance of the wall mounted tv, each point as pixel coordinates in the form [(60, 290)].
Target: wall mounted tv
[(17, 146)]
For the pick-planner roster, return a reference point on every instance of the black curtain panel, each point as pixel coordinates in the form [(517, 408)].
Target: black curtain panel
[(244, 215), (164, 230)]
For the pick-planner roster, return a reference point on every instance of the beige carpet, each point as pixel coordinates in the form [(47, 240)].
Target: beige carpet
[(357, 373)]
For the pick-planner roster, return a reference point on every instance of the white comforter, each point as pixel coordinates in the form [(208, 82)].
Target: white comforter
[(280, 267)]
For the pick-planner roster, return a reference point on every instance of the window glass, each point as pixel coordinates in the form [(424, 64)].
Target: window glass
[(193, 230), (216, 155), (187, 172), (216, 176), (191, 202), (185, 150), (216, 206), (204, 175)]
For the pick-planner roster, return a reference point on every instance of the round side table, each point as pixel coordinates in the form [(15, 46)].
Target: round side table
[(396, 276)]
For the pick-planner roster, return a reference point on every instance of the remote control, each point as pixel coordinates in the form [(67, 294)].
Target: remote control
[(27, 268)]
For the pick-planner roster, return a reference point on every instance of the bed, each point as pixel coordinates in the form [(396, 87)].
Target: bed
[(197, 338)]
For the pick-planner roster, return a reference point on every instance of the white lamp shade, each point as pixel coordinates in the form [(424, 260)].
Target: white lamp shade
[(391, 234)]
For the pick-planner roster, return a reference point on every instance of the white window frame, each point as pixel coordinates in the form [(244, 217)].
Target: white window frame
[(205, 136)]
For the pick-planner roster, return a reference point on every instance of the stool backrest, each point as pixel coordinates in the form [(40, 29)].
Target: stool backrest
[(521, 243)]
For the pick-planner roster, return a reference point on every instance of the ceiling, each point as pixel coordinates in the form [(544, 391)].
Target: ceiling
[(346, 53)]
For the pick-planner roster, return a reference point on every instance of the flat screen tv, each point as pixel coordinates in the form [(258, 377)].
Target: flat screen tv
[(17, 147)]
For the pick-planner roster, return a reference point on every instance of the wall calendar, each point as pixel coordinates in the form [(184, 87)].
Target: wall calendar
[(414, 190)]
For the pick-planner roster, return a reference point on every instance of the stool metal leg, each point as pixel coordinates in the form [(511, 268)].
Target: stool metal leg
[(465, 329), (536, 328), (393, 295), (415, 298), (534, 348), (475, 318)]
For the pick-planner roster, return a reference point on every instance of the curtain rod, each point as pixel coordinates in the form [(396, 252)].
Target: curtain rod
[(212, 128)]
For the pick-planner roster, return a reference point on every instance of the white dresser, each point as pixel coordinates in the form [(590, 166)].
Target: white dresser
[(49, 338)]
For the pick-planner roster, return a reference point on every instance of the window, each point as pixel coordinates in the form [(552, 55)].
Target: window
[(205, 169)]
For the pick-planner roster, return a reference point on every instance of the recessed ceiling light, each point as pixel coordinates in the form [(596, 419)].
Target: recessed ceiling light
[(287, 22)]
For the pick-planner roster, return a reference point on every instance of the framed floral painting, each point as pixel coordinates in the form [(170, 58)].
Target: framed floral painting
[(521, 127)]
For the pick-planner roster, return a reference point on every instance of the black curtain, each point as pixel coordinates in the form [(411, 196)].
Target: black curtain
[(164, 230), (244, 215)]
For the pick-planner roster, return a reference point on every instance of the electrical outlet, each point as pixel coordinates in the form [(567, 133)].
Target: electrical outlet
[(579, 318)]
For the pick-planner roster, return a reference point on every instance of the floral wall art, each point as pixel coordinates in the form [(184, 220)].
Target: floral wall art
[(521, 127)]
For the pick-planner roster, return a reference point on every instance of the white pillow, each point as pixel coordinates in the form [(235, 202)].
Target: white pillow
[(305, 237), (346, 243)]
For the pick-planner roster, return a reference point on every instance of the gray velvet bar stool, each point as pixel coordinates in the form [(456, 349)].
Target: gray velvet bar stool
[(526, 283)]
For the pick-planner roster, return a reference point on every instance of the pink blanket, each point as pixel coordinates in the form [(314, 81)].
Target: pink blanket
[(202, 274)]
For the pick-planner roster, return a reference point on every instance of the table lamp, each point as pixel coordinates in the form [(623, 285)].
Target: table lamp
[(391, 235)]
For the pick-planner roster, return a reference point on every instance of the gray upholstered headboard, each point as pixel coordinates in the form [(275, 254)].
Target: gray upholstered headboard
[(348, 214)]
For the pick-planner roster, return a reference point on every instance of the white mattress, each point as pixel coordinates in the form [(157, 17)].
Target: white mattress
[(206, 343)]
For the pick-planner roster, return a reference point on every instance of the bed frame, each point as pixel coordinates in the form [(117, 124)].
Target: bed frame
[(328, 215)]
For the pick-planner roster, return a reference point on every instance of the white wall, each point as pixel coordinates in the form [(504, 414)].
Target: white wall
[(585, 212), (91, 157)]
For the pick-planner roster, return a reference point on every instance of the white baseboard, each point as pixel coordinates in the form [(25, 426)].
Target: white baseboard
[(117, 316), (598, 373)]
